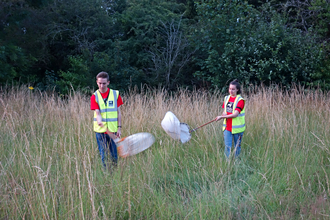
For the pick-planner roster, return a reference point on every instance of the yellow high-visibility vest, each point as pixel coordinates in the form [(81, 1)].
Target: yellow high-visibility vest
[(109, 112), (238, 123)]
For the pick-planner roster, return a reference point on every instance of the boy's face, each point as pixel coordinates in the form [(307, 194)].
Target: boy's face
[(102, 83)]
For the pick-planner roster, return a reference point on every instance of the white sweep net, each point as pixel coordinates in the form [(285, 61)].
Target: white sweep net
[(171, 125), (184, 134), (134, 144)]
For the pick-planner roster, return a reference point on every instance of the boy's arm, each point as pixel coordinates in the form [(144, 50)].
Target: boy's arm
[(99, 118)]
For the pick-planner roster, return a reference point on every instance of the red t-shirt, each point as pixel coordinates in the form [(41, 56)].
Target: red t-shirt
[(94, 104), (229, 108)]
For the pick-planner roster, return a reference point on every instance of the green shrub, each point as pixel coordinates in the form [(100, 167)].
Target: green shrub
[(255, 48)]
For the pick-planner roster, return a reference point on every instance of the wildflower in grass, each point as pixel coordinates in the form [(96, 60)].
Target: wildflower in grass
[(31, 88)]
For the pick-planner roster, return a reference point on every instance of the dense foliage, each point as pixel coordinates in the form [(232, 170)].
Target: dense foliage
[(254, 47), (172, 43)]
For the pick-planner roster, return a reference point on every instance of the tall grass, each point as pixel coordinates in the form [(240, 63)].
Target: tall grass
[(51, 169)]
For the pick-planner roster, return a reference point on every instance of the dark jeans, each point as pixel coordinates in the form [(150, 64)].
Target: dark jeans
[(106, 144)]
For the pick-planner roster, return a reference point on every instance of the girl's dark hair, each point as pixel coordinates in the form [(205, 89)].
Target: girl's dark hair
[(238, 86)]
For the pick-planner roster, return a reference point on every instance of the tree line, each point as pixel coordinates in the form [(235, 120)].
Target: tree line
[(169, 43)]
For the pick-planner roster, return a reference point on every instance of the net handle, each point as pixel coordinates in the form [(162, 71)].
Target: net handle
[(192, 130)]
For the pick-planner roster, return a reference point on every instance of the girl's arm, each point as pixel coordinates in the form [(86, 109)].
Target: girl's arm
[(234, 115), (224, 115)]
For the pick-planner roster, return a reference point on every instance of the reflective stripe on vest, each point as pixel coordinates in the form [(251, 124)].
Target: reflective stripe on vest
[(235, 126), (238, 126), (238, 123), (107, 119), (108, 110)]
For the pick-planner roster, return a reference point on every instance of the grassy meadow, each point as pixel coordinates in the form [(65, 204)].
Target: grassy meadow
[(50, 166)]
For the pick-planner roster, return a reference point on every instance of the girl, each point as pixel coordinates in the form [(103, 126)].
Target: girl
[(234, 118)]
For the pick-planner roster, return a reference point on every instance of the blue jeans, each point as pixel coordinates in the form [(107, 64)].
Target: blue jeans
[(106, 144), (229, 140)]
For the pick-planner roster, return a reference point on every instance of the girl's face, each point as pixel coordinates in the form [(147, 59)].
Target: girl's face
[(233, 90)]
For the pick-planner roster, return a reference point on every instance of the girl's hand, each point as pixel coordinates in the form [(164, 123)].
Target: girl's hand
[(218, 118)]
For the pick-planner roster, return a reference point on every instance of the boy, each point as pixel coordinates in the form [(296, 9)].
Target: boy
[(107, 116)]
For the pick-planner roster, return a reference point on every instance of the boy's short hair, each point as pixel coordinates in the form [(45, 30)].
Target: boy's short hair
[(103, 75)]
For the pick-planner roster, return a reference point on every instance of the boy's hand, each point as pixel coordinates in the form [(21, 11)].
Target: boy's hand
[(100, 123), (119, 132)]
